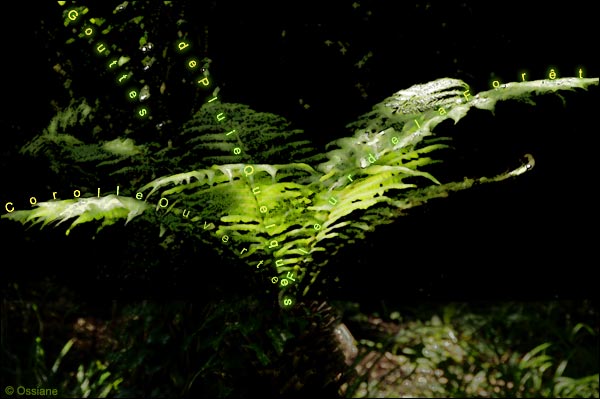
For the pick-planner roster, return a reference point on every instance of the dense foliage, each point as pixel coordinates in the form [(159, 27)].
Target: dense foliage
[(211, 237), (237, 347)]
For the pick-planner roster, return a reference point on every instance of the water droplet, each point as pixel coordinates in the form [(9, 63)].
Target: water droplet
[(147, 47)]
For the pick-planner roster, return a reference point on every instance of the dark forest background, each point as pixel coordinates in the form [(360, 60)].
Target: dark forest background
[(525, 240)]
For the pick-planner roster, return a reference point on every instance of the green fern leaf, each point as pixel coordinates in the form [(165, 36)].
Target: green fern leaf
[(287, 214)]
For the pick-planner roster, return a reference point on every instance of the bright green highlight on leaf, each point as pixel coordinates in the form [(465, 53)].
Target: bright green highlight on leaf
[(121, 147)]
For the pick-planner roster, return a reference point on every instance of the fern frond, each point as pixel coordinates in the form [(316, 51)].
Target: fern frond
[(110, 209), (287, 214)]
